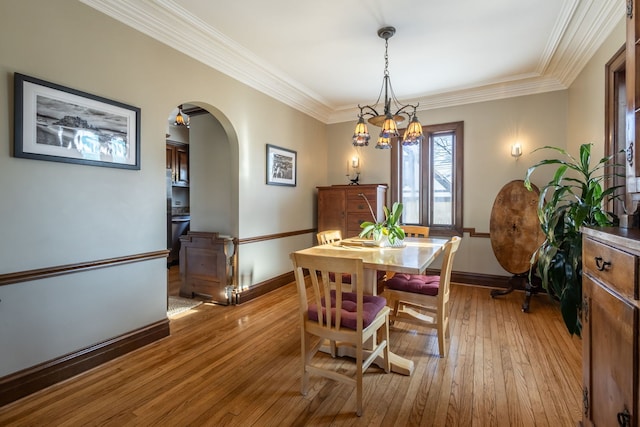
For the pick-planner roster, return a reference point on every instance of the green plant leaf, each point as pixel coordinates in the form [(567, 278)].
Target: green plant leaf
[(569, 201)]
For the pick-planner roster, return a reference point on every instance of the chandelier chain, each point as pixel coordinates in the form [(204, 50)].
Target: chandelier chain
[(386, 57)]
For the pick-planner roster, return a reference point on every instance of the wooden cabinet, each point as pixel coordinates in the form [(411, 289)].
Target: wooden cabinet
[(344, 207), (178, 162), (207, 266), (610, 327)]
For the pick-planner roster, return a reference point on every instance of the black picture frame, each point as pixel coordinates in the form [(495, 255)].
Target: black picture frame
[(61, 124), (282, 166)]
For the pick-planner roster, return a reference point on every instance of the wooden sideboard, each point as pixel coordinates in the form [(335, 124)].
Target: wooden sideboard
[(610, 327), (344, 208), (207, 266)]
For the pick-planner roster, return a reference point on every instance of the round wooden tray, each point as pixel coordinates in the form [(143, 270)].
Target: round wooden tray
[(514, 227)]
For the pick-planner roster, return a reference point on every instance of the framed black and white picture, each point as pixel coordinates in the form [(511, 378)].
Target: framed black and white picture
[(281, 166), (61, 124)]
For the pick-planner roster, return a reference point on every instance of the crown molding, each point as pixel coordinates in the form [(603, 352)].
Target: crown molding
[(580, 29), (492, 92), (166, 22), (590, 23)]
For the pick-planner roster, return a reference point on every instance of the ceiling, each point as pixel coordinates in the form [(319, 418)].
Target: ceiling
[(324, 57)]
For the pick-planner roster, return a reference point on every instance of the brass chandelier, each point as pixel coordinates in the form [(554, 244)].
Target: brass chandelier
[(387, 121)]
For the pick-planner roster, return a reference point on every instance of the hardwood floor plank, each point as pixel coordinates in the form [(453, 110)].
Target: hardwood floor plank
[(240, 366)]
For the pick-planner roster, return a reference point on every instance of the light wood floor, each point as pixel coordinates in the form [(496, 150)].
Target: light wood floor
[(240, 366)]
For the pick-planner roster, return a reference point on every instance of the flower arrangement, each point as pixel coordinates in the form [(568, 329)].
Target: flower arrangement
[(389, 228)]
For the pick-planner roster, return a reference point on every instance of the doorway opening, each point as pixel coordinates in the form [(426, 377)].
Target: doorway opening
[(202, 163)]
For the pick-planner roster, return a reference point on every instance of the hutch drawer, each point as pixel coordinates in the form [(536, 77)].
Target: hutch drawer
[(613, 267)]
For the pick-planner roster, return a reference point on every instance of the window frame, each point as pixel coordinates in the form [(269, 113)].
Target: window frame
[(457, 128)]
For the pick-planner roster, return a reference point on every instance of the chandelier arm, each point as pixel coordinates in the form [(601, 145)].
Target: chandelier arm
[(372, 112), (398, 104), (402, 110)]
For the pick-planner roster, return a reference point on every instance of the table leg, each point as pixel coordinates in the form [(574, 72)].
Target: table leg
[(399, 364)]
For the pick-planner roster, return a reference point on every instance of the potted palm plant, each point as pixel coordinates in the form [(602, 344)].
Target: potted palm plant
[(388, 231), (574, 197)]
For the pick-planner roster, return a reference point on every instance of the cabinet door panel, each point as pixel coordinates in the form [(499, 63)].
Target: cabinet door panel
[(170, 154), (182, 164), (610, 334), (331, 210)]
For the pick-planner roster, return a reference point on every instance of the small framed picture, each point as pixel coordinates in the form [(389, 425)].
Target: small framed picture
[(281, 166), (61, 124)]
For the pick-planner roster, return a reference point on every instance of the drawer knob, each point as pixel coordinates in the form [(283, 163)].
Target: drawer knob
[(600, 264)]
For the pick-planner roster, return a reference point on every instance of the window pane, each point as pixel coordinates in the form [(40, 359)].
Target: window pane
[(411, 184), (429, 178), (442, 179)]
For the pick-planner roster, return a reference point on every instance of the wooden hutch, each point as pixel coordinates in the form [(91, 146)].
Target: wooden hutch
[(611, 260)]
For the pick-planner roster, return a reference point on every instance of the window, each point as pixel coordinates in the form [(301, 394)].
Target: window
[(427, 179)]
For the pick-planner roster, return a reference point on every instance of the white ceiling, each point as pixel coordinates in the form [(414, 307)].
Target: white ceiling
[(324, 57)]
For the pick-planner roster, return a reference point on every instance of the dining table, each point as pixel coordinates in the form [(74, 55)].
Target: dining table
[(413, 257)]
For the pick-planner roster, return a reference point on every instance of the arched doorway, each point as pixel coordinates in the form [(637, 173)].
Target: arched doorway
[(209, 198)]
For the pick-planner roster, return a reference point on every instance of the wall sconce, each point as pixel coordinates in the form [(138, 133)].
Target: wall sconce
[(354, 164), (516, 150)]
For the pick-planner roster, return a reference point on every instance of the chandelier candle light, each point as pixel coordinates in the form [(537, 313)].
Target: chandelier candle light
[(180, 118), (387, 121)]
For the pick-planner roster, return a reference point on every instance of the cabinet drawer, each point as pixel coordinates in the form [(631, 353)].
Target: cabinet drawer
[(353, 232), (355, 219), (356, 203), (615, 268)]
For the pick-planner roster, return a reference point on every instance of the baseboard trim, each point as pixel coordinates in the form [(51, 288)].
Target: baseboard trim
[(267, 286), (36, 378), (475, 279), (488, 280), (517, 282)]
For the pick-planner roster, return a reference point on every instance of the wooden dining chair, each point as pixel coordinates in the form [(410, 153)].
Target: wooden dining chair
[(329, 236), (410, 231), (349, 318), (415, 230), (422, 299)]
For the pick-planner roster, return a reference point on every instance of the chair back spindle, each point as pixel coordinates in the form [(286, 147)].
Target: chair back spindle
[(328, 236)]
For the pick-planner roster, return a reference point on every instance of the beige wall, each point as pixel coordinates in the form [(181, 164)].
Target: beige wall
[(587, 97), (212, 175), (58, 213)]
